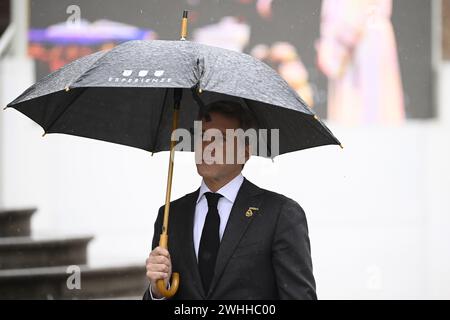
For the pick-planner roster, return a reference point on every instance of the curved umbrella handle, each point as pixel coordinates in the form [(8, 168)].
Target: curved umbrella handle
[(168, 293)]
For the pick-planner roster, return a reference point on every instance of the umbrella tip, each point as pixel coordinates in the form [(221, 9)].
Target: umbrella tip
[(342, 147), (5, 108), (67, 88), (43, 135), (184, 25)]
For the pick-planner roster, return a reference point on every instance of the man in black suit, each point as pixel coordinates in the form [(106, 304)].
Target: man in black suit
[(231, 239)]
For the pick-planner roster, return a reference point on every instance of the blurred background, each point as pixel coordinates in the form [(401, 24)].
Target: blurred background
[(377, 72)]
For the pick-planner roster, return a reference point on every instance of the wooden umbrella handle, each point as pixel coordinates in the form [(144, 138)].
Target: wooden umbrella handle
[(167, 293), (163, 239)]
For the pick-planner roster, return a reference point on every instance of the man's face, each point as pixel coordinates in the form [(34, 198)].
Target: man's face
[(222, 169)]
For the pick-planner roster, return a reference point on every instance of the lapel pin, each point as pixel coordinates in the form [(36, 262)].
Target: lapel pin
[(250, 210)]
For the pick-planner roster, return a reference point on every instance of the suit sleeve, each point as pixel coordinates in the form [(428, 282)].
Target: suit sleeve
[(155, 242), (291, 254)]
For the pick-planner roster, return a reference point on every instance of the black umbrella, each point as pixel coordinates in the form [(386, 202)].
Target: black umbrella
[(139, 92)]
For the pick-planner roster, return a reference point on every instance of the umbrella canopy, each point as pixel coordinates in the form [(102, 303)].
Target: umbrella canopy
[(125, 95)]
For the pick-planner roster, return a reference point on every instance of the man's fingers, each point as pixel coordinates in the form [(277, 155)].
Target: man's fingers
[(160, 260), (155, 276), (158, 264), (157, 268), (159, 251)]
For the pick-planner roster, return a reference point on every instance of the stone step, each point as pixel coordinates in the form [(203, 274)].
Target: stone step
[(16, 223), (25, 252), (51, 283)]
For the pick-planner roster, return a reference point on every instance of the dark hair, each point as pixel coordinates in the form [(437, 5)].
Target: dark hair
[(233, 110)]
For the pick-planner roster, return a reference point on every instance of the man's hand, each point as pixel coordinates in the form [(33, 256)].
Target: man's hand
[(159, 266)]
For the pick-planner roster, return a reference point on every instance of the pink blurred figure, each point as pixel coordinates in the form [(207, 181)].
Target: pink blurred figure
[(264, 8), (357, 51), (284, 58), (229, 33)]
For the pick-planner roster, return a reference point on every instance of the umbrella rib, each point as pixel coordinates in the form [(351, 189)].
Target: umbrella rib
[(201, 105), (269, 149), (321, 127), (64, 110), (327, 130), (159, 122)]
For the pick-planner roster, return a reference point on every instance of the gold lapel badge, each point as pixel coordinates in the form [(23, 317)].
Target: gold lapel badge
[(250, 210)]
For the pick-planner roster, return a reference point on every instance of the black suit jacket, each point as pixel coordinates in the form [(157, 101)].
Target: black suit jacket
[(263, 256)]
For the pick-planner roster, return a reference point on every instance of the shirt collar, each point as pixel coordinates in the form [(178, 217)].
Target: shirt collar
[(228, 191)]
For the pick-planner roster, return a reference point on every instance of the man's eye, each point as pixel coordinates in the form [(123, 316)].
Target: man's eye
[(209, 137)]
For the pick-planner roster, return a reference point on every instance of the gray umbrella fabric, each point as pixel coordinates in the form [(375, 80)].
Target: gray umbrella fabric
[(125, 95)]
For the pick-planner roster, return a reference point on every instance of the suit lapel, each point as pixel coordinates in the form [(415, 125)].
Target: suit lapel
[(188, 239), (236, 226)]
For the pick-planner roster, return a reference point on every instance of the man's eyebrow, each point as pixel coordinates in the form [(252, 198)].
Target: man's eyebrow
[(222, 131)]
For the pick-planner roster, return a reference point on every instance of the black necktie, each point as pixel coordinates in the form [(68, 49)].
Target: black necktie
[(210, 240)]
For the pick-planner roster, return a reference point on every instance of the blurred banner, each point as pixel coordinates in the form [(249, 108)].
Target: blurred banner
[(353, 61), (446, 29)]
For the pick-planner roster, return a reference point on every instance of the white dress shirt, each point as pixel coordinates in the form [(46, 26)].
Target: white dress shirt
[(229, 193)]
